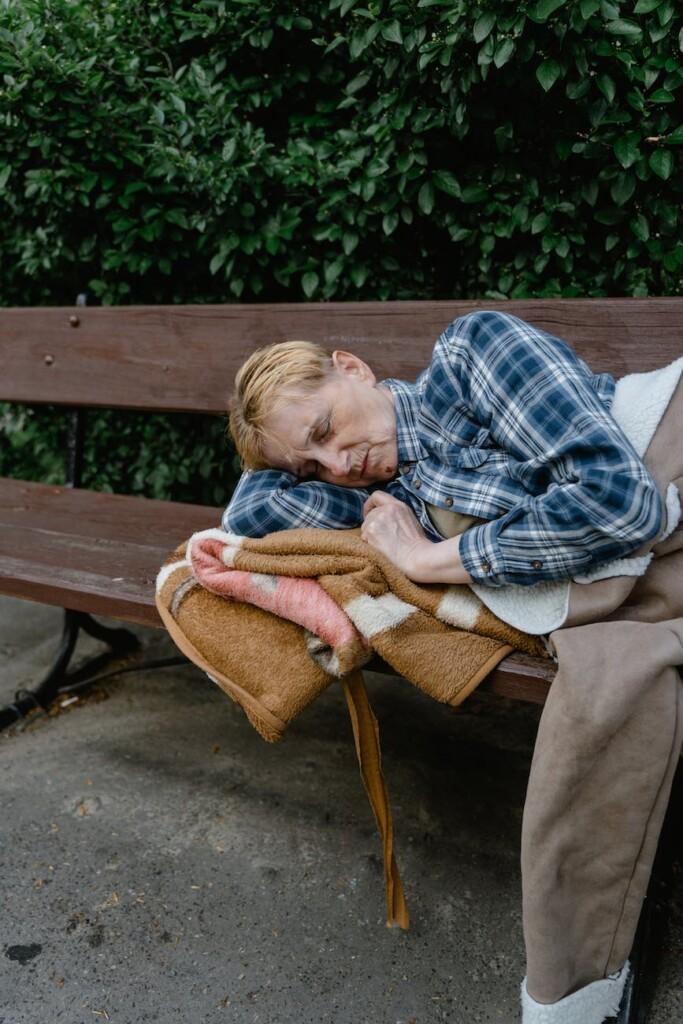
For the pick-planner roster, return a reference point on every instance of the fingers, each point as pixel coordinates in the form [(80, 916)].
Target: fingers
[(378, 498)]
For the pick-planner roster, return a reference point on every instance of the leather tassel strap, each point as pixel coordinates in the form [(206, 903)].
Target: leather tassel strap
[(366, 736)]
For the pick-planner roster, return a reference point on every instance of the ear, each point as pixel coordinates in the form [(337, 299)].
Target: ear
[(348, 363)]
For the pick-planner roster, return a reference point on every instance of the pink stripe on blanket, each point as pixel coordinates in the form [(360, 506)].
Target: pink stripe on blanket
[(300, 600)]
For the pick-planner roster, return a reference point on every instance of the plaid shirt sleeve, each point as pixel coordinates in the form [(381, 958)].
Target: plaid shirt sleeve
[(267, 500), (532, 392)]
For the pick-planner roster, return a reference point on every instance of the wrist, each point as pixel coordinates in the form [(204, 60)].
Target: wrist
[(439, 562)]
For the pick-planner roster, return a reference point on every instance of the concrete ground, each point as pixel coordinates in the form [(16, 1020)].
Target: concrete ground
[(161, 862)]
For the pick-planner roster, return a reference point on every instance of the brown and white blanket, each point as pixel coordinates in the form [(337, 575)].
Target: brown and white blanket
[(274, 620)]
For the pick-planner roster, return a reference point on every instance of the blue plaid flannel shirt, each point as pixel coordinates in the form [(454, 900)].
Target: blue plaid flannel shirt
[(507, 424)]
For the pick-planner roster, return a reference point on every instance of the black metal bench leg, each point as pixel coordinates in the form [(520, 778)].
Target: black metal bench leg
[(651, 931), (121, 641)]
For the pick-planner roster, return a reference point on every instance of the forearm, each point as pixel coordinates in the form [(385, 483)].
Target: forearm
[(563, 533), (439, 563), (269, 500)]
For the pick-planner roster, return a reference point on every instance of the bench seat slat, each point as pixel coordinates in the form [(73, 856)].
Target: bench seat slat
[(90, 551), (100, 553)]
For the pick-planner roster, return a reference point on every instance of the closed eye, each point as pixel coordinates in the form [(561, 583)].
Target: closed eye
[(327, 430)]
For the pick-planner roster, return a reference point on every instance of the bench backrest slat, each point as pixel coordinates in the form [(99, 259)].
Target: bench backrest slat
[(184, 358)]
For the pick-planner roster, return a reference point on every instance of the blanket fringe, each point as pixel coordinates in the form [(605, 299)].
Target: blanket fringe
[(366, 737)]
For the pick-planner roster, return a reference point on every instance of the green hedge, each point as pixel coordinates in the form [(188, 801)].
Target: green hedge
[(228, 150)]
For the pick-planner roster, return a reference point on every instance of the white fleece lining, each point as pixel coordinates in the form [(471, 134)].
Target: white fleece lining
[(591, 1004), (166, 571), (640, 401), (673, 511), (617, 567)]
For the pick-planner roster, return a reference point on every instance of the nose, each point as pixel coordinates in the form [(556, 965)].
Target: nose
[(338, 463)]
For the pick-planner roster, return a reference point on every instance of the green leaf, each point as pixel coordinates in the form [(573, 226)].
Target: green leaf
[(503, 52), (640, 227), (357, 83), (662, 163), (609, 217), (588, 8), (425, 198), (218, 261), (675, 138), (611, 241), (539, 223), (447, 182), (474, 194), (4, 175), (645, 6), (661, 96), (626, 149), (228, 150), (623, 187), (544, 8), (333, 270), (349, 242), (547, 73), (392, 32), (606, 86), (389, 223), (483, 26), (178, 103), (620, 27), (376, 168), (359, 276), (309, 283)]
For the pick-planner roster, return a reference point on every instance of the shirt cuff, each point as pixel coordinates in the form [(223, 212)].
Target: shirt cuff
[(480, 555)]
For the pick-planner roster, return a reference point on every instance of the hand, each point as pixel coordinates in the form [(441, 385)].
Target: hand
[(392, 528)]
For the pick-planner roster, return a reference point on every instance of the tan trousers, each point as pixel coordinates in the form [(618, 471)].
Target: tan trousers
[(607, 748)]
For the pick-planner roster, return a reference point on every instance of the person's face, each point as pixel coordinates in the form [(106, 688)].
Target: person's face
[(343, 433)]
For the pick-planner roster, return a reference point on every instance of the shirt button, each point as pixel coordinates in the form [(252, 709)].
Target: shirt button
[(449, 501), (418, 484), (404, 468), (486, 567), (537, 564)]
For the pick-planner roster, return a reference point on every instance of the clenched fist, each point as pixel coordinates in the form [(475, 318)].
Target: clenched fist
[(390, 526)]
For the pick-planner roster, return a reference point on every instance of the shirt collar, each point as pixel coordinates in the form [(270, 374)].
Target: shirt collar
[(407, 401)]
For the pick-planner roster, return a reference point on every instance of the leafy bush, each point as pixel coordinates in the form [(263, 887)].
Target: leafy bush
[(226, 150)]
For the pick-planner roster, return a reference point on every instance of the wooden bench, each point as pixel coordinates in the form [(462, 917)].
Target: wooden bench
[(98, 553)]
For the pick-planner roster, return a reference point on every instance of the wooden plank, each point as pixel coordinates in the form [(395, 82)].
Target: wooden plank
[(518, 676), (90, 551), (521, 677), (184, 358)]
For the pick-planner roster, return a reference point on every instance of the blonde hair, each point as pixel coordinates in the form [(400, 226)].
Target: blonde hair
[(259, 382)]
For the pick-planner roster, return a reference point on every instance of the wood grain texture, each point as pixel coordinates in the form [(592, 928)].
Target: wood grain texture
[(90, 551), (184, 358)]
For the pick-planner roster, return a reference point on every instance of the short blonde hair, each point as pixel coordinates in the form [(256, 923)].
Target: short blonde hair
[(259, 382)]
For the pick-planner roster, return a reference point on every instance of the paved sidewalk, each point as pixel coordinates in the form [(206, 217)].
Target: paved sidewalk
[(161, 862)]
